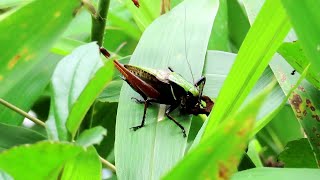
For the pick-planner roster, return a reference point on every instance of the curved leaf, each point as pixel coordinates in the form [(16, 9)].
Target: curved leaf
[(76, 82)]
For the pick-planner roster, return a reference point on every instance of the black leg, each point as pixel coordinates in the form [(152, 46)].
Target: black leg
[(200, 81), (170, 69), (146, 104), (168, 111), (139, 101)]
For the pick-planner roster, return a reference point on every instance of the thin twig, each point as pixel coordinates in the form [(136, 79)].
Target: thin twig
[(21, 112), (99, 22), (108, 164)]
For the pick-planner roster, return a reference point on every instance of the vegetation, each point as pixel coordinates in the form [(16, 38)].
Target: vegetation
[(261, 60)]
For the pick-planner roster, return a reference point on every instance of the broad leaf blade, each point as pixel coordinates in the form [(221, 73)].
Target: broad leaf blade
[(76, 82), (91, 136), (86, 165), (150, 151), (45, 158), (298, 154), (26, 44)]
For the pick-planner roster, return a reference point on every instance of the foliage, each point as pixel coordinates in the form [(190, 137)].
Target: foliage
[(265, 102)]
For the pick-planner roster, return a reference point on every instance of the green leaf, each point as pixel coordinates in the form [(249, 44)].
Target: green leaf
[(105, 115), (217, 67), (277, 173), (219, 39), (16, 135), (275, 136), (295, 56), (238, 22), (151, 151), (11, 3), (213, 158), (76, 82), (304, 101), (308, 33), (24, 69), (148, 11), (91, 136), (298, 154), (45, 158), (85, 165), (259, 46)]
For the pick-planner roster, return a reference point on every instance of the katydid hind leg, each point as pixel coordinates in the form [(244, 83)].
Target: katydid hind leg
[(147, 102), (168, 111)]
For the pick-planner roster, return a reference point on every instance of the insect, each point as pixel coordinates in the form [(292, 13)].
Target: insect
[(165, 87), (293, 72)]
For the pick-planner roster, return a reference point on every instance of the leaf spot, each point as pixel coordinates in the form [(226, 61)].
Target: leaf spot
[(57, 14), (13, 61)]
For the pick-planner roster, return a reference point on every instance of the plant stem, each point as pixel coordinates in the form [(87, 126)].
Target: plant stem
[(99, 22), (39, 122), (23, 113), (107, 164)]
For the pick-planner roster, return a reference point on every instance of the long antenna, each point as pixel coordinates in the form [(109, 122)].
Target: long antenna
[(185, 42)]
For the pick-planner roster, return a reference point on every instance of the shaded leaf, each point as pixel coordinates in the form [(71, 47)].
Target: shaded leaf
[(16, 135), (298, 154), (45, 158)]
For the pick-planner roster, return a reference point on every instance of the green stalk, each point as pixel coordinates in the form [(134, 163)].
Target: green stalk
[(23, 113), (99, 22), (41, 123)]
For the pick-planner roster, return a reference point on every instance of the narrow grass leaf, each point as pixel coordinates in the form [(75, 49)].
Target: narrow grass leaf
[(255, 53), (303, 100), (295, 56), (308, 33), (217, 156)]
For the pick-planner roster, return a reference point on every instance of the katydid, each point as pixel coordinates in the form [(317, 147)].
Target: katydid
[(165, 87)]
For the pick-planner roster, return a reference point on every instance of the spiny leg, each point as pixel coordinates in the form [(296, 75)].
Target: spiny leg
[(146, 104), (168, 111)]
